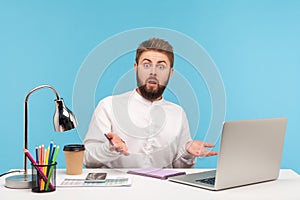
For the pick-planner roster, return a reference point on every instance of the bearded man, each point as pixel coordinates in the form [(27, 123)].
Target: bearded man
[(140, 129)]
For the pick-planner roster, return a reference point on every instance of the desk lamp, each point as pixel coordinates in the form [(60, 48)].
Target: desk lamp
[(63, 120)]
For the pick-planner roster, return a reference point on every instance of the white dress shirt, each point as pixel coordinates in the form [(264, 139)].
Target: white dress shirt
[(155, 133)]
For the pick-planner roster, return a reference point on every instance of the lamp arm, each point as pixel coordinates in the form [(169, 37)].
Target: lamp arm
[(26, 117), (40, 87)]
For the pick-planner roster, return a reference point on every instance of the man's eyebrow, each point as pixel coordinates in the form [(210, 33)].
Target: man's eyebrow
[(162, 61), (146, 59)]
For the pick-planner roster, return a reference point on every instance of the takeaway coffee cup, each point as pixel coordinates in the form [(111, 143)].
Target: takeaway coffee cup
[(74, 158)]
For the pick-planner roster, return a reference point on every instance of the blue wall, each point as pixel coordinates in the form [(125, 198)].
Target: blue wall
[(254, 44)]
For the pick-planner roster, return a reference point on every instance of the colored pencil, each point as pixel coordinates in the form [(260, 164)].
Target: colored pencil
[(28, 155), (52, 167)]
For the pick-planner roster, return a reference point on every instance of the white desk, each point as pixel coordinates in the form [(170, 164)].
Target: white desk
[(143, 188)]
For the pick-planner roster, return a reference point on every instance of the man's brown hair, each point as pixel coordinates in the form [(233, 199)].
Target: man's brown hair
[(156, 44)]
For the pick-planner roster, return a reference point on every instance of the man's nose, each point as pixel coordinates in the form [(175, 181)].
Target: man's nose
[(153, 69)]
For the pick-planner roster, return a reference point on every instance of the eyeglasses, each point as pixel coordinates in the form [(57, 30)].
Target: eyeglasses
[(159, 67)]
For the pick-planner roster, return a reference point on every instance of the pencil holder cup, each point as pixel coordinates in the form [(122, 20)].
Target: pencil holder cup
[(44, 178)]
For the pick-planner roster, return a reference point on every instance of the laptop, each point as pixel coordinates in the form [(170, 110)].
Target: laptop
[(250, 152)]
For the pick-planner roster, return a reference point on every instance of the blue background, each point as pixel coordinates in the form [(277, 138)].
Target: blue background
[(255, 45)]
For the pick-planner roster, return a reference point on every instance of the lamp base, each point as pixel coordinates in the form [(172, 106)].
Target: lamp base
[(22, 181)]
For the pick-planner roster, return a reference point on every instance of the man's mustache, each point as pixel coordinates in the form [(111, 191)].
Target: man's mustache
[(152, 80)]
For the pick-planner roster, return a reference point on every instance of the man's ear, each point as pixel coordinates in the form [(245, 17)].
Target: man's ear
[(135, 67), (171, 72)]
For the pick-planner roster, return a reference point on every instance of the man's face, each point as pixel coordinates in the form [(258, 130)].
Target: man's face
[(153, 72)]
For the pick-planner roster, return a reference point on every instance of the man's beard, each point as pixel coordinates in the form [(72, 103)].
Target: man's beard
[(150, 93)]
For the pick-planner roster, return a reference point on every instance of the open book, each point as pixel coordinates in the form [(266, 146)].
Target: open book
[(156, 172)]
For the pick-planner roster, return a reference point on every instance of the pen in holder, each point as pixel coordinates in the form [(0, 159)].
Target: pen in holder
[(39, 182)]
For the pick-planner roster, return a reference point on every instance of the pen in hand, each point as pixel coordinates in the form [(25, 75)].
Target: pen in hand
[(118, 147), (109, 139), (110, 142)]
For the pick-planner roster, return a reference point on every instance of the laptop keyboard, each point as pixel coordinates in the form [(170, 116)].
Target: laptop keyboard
[(210, 181)]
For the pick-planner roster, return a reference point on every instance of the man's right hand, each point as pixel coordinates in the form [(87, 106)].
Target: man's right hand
[(118, 144)]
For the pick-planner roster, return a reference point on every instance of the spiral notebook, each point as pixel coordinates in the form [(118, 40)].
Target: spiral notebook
[(156, 172)]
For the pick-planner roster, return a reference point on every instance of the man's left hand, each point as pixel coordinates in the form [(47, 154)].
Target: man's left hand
[(199, 148)]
